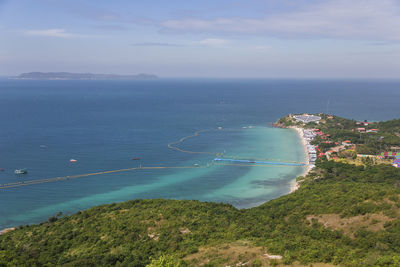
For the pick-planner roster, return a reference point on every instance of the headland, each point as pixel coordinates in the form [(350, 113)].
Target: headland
[(346, 212)]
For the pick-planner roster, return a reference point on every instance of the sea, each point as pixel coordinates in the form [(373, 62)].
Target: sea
[(109, 125)]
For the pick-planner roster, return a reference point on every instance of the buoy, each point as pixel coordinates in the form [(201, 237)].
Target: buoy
[(72, 160)]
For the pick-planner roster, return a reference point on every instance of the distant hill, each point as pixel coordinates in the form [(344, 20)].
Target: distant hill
[(82, 76)]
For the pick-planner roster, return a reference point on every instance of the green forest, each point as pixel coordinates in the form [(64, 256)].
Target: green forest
[(342, 214)]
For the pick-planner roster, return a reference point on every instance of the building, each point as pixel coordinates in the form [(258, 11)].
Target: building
[(389, 155), (365, 123), (306, 118), (346, 143)]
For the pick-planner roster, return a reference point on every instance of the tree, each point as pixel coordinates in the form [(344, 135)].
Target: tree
[(166, 261)]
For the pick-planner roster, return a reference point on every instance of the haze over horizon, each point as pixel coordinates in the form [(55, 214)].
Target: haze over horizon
[(224, 38)]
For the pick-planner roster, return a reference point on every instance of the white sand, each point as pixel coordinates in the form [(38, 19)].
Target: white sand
[(295, 185), (7, 230)]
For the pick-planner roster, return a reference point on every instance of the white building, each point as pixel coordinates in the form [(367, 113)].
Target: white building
[(306, 118)]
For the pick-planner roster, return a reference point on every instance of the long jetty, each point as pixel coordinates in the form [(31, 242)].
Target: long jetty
[(69, 177), (262, 162)]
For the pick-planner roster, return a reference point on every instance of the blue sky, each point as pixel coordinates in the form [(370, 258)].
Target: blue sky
[(219, 38)]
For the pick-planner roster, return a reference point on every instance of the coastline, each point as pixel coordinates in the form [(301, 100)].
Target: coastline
[(6, 230), (295, 184)]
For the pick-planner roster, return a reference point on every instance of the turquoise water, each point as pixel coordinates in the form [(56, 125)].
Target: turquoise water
[(103, 124)]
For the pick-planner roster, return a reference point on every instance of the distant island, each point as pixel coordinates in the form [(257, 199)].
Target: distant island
[(81, 76)]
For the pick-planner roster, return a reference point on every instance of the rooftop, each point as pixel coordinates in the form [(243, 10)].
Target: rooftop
[(306, 118)]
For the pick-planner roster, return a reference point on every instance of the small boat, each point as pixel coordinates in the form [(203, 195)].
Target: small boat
[(2, 170), (136, 158), (21, 171), (196, 165), (252, 161), (73, 160)]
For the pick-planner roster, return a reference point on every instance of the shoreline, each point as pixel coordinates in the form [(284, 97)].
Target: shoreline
[(6, 230), (295, 184)]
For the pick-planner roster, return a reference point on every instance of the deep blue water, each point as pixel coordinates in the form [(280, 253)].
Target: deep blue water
[(103, 124)]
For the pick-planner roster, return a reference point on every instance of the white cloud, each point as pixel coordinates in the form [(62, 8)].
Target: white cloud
[(212, 42), (341, 19), (60, 33)]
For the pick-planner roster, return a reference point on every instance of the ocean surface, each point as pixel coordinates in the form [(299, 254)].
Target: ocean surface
[(104, 124)]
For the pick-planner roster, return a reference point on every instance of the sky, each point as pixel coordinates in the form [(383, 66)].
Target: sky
[(207, 38)]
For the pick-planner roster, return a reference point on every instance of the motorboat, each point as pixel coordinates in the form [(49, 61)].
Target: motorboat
[(21, 171)]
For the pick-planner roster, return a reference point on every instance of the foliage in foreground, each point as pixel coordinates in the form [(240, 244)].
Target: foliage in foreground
[(142, 232)]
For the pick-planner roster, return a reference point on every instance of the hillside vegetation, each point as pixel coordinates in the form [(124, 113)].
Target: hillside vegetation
[(342, 214)]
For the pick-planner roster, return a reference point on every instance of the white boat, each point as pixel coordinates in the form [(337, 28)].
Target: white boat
[(21, 171)]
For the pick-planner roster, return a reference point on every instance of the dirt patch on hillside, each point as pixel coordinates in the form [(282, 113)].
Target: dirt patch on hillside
[(239, 253), (371, 222)]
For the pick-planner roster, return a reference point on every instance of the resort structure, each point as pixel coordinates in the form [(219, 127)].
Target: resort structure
[(308, 136), (306, 118)]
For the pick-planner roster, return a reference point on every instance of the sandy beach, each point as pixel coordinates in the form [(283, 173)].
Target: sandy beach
[(295, 185), (7, 230)]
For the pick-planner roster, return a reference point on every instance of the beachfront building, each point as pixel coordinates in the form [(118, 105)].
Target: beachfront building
[(308, 136), (306, 118)]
